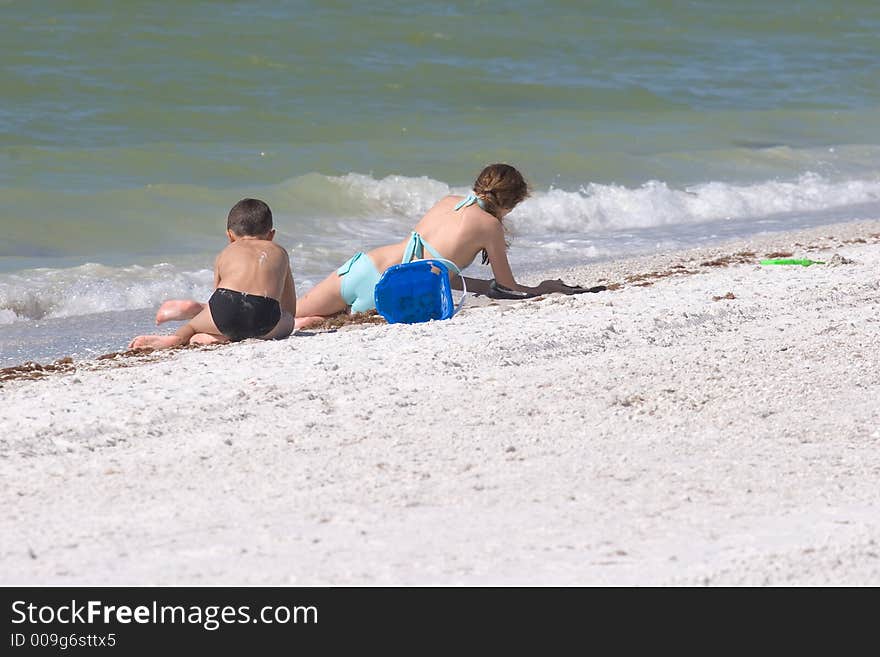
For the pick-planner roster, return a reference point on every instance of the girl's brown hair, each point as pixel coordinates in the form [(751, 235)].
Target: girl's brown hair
[(500, 186)]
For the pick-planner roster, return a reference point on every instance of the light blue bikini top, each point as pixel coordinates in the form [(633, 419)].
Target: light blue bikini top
[(415, 250)]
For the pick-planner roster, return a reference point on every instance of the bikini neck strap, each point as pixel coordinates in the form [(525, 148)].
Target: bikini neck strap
[(469, 200)]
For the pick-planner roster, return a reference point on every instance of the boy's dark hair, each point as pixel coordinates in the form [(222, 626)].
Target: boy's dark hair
[(249, 217)]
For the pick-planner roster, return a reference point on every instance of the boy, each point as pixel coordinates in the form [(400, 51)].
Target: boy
[(254, 295)]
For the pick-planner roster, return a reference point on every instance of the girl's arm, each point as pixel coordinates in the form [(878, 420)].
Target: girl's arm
[(497, 259), (496, 249)]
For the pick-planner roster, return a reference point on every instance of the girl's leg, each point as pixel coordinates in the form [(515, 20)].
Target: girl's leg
[(322, 301), (178, 310)]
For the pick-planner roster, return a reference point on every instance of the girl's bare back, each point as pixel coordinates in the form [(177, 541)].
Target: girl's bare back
[(457, 235)]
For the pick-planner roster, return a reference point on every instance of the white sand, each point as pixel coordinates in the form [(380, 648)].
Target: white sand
[(647, 435)]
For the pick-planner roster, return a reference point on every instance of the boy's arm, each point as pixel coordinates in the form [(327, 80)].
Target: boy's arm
[(288, 294), (217, 270)]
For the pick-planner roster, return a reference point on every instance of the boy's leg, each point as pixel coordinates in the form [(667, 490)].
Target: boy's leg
[(282, 329), (178, 310), (207, 338), (201, 323), (155, 341)]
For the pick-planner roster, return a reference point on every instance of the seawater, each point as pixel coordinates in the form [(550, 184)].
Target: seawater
[(127, 130)]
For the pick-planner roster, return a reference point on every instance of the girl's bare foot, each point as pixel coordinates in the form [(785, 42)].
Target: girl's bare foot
[(177, 310), (155, 341)]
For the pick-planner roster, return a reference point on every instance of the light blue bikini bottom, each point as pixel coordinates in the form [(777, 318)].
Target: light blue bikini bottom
[(359, 274), (359, 278)]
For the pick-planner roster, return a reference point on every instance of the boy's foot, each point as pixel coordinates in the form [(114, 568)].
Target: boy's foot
[(207, 338), (155, 341), (308, 322), (177, 310)]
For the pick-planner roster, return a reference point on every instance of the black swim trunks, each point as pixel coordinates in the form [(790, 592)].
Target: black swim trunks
[(240, 316)]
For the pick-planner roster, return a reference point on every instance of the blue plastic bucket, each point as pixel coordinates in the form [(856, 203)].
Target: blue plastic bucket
[(413, 292)]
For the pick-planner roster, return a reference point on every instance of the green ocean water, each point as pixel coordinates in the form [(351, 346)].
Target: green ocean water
[(127, 129), (109, 94)]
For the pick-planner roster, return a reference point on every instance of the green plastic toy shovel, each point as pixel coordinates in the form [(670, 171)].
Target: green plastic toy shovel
[(805, 262)]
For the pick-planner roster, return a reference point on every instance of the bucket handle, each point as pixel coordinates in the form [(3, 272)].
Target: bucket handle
[(458, 271)]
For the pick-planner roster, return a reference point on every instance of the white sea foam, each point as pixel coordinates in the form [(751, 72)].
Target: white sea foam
[(612, 207), (93, 288), (598, 207), (400, 195)]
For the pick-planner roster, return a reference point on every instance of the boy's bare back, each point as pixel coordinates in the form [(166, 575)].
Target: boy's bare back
[(253, 266)]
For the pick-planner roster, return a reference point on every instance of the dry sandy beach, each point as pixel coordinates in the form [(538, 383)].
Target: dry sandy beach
[(708, 422)]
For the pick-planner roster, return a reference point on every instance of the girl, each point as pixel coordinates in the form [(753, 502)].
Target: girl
[(457, 229)]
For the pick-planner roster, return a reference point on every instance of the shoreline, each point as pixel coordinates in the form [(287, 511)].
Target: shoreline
[(710, 421), (614, 273)]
